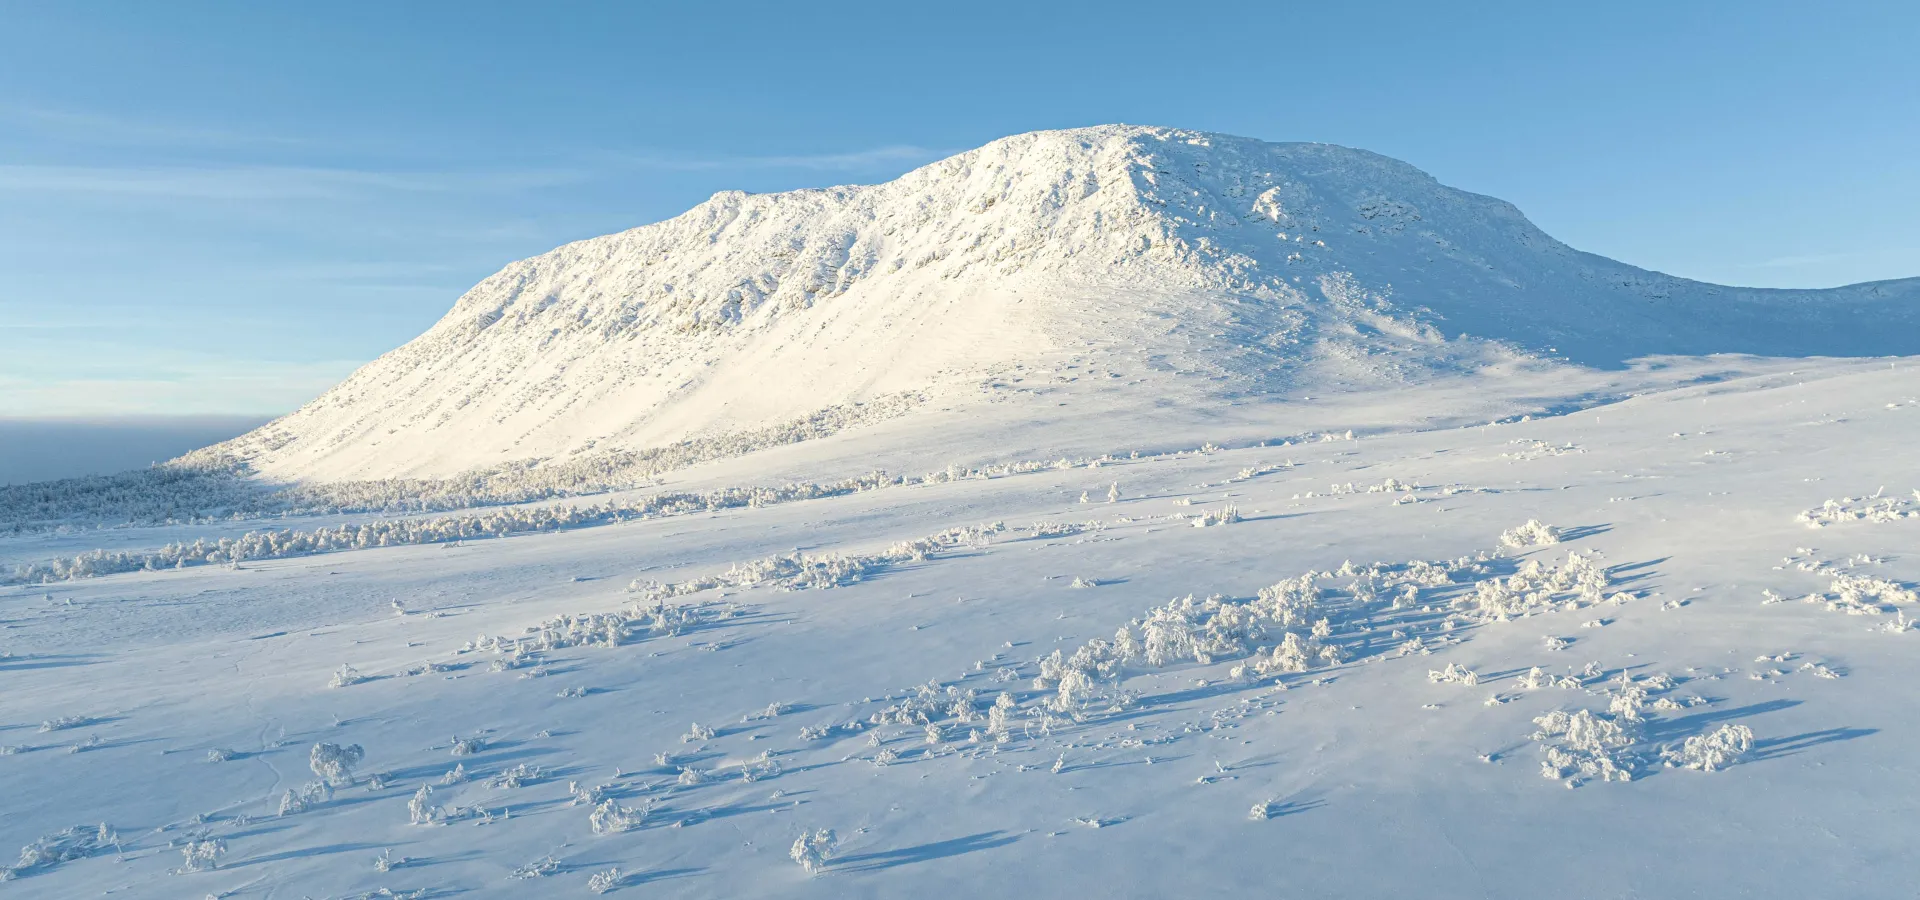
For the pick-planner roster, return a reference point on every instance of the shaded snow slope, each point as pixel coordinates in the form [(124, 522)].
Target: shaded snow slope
[(1210, 266)]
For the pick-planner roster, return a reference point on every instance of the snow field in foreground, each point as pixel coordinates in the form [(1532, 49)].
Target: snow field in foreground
[(1353, 688)]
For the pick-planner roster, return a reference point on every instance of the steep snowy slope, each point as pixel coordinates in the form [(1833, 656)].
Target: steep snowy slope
[(1209, 266)]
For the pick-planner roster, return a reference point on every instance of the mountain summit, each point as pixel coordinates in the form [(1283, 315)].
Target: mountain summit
[(1150, 256)]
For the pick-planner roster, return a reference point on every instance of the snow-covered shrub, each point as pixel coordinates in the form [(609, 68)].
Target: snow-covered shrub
[(1875, 509), (455, 775), (586, 794), (78, 842), (1532, 534), (609, 817), (1454, 673), (605, 880), (763, 767), (421, 811), (467, 746), (1290, 655), (334, 763), (202, 855), (1865, 595), (1583, 745), (885, 757), (999, 717), (1226, 515), (697, 733), (63, 723), (1261, 811), (220, 755), (1535, 588), (1712, 751), (516, 777), (312, 794), (345, 676), (812, 849), (1535, 679), (539, 868)]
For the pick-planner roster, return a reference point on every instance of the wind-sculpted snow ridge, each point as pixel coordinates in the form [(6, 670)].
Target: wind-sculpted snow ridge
[(1230, 265)]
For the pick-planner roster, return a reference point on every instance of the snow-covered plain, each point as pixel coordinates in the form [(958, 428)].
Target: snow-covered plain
[(1130, 620)]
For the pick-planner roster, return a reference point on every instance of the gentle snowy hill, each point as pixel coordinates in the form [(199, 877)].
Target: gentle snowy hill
[(1187, 266)]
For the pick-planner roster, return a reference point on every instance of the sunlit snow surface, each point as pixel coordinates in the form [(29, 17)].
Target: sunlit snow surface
[(181, 707)]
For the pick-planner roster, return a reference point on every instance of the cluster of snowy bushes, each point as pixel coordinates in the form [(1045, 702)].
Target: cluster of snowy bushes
[(654, 610), (212, 484), (1534, 449), (78, 842), (1856, 595), (166, 493), (1537, 588), (1875, 508), (1582, 745), (282, 543)]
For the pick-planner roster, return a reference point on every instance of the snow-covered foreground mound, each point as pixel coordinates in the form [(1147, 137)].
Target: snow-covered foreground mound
[(1336, 667), (1194, 267)]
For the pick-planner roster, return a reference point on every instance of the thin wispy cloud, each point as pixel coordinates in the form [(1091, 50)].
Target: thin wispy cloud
[(95, 128), (890, 156), (252, 183)]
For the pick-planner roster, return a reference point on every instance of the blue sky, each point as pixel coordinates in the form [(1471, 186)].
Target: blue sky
[(223, 208)]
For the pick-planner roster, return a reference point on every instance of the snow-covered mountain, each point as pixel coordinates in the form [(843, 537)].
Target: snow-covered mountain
[(1200, 263)]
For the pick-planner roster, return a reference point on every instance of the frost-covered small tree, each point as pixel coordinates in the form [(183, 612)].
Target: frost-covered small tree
[(334, 763), (999, 718), (812, 849), (697, 733), (421, 811), (312, 794), (1113, 492), (345, 676)]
